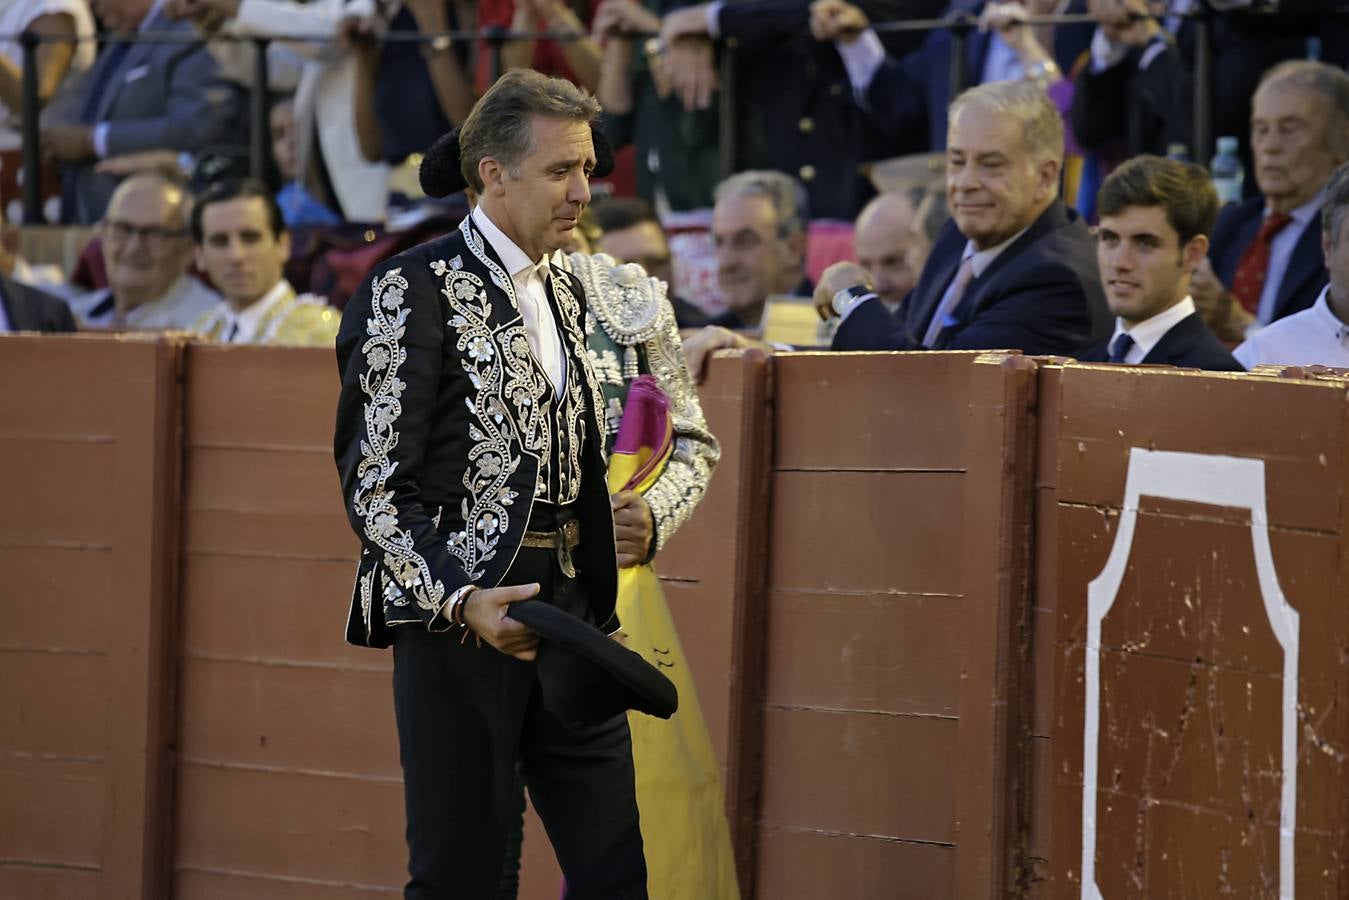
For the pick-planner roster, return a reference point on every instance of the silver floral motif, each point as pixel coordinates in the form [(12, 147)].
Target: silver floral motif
[(373, 501)]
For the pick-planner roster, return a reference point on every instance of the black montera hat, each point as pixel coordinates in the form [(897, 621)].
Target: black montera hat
[(588, 677)]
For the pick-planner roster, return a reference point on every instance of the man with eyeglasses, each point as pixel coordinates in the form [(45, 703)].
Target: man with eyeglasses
[(243, 244), (147, 252)]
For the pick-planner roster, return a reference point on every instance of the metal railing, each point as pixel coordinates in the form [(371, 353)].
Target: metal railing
[(960, 25)]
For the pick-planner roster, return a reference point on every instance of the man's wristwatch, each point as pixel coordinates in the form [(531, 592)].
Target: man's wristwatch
[(846, 299), (1043, 71)]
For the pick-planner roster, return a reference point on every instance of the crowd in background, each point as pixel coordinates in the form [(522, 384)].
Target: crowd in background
[(840, 149)]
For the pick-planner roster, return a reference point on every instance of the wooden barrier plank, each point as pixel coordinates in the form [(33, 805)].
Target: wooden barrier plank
[(1288, 424), (244, 886), (887, 411), (290, 826), (867, 773), (96, 433), (871, 652), (996, 565), (860, 532), (265, 609), (41, 883), (274, 712), (1191, 712), (45, 572), (54, 704), (53, 814), (292, 400), (816, 864)]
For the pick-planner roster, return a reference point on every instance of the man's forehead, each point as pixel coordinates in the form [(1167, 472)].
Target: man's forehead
[(741, 211)]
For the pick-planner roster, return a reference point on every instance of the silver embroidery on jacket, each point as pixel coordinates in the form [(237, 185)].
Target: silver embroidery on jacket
[(372, 499)]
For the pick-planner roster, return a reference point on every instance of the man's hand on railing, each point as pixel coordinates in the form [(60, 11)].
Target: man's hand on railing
[(207, 15), (691, 21), (690, 68), (700, 346), (1126, 22), (143, 161), (623, 18), (68, 143), (835, 20), (356, 33)]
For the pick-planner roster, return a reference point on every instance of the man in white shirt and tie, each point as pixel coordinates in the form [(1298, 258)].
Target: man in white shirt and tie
[(1155, 217), (1319, 335)]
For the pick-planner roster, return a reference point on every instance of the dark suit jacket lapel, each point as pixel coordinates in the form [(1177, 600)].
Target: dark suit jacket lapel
[(1305, 264), (933, 291), (1051, 218), (22, 316), (140, 54), (1176, 342)]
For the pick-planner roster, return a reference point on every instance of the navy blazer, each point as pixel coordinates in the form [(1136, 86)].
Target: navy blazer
[(29, 309), (1042, 295), (1189, 344), (909, 95), (1306, 273)]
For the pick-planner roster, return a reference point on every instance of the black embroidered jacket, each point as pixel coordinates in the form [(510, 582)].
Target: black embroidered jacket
[(448, 431)]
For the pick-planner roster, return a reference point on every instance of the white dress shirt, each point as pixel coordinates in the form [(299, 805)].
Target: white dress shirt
[(529, 278), (1281, 248), (241, 326), (1313, 337), (1149, 332), (864, 56), (181, 306)]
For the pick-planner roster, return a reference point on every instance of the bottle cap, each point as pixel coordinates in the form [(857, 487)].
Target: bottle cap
[(1227, 145)]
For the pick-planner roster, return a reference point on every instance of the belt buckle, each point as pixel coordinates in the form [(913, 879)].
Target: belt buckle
[(564, 560)]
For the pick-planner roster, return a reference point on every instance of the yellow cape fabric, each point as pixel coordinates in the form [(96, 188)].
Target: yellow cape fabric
[(679, 794)]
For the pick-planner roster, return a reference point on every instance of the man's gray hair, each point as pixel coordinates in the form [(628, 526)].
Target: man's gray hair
[(1335, 203), (783, 191), (499, 125), (1330, 82), (1024, 101)]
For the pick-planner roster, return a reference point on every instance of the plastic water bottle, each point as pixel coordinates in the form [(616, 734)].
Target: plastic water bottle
[(1226, 171), (1178, 152)]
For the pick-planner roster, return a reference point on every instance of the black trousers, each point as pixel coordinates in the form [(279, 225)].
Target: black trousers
[(466, 716)]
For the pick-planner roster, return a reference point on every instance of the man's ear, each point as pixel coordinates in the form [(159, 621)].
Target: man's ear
[(1193, 253), (1049, 176), (493, 176)]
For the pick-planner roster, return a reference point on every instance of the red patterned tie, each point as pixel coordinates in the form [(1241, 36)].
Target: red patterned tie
[(1249, 281)]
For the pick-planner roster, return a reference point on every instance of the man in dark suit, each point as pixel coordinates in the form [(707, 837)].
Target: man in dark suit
[(472, 465), (1265, 262), (1155, 216), (136, 96), (24, 308), (796, 98), (1014, 269)]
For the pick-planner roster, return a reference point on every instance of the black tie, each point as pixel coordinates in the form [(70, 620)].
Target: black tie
[(1120, 347)]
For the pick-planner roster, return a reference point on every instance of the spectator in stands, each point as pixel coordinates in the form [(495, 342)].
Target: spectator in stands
[(25, 308), (1015, 269), (298, 204), (1155, 217), (406, 99), (1266, 255), (883, 238), (576, 60), (676, 146), (147, 251), (56, 60), (328, 163), (137, 96), (242, 243), (1135, 94), (759, 232), (909, 94), (1319, 335), (631, 233), (800, 118)]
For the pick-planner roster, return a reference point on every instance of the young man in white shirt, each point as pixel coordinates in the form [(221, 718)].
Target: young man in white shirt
[(1318, 335), (1155, 217)]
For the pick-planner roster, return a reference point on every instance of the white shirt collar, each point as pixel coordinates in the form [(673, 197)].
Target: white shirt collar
[(515, 260), (251, 317), (1304, 213), (1148, 333), (1326, 317), (980, 260)]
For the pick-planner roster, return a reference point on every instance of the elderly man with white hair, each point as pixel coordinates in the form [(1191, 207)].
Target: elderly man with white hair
[(1014, 269)]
